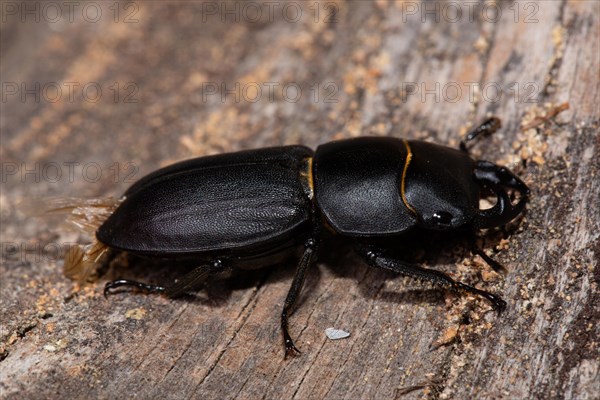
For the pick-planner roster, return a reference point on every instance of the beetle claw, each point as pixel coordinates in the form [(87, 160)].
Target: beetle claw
[(290, 349), (497, 303)]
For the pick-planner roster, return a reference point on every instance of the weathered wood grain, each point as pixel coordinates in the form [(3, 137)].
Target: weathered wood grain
[(382, 68)]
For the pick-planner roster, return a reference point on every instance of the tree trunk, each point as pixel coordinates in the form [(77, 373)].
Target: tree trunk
[(100, 94)]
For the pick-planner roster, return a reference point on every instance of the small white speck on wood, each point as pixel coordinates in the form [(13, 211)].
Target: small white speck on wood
[(335, 334)]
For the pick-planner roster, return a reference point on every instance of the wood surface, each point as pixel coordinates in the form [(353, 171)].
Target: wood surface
[(358, 70)]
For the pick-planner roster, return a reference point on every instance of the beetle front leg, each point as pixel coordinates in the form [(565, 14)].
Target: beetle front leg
[(495, 265), (308, 258), (376, 258), (487, 127)]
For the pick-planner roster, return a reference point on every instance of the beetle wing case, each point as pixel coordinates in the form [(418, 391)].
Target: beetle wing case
[(219, 203), (358, 186)]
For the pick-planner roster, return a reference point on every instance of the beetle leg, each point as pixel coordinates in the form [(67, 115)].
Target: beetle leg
[(308, 258), (487, 127), (187, 283), (495, 265), (375, 258), (193, 279), (146, 288)]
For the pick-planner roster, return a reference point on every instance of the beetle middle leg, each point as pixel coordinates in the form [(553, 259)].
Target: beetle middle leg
[(375, 257), (190, 281), (308, 258)]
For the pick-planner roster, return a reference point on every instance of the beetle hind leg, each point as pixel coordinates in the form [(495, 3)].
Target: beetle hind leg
[(375, 258), (143, 287), (190, 281), (193, 279)]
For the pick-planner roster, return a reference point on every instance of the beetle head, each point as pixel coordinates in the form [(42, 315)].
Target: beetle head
[(439, 187), (443, 204), (443, 187)]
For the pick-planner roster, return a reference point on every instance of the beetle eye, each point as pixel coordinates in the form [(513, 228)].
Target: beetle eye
[(442, 217)]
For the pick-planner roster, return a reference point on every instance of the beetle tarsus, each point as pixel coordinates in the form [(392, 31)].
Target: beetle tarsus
[(144, 287), (190, 281), (497, 303), (290, 348), (291, 351)]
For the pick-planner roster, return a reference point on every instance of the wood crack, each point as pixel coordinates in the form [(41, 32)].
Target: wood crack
[(560, 45)]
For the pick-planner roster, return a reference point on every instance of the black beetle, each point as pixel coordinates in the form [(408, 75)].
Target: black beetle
[(249, 209)]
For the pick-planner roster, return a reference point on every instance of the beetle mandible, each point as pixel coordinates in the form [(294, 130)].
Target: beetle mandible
[(249, 209)]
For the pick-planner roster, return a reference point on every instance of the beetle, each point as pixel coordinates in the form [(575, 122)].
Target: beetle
[(251, 208)]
